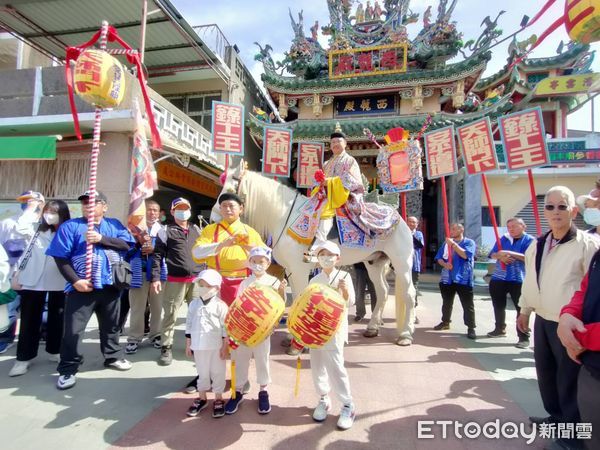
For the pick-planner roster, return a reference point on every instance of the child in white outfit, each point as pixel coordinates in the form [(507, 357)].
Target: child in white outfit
[(327, 363), (259, 261), (206, 341)]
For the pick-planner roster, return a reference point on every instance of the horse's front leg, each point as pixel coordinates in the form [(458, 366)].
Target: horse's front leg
[(377, 273)]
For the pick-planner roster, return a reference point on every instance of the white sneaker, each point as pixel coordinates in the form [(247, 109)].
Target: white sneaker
[(65, 382), (347, 415), (54, 357), (119, 364), (20, 368), (320, 412)]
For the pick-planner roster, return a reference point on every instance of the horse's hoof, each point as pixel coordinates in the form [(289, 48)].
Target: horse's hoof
[(370, 333), (403, 342)]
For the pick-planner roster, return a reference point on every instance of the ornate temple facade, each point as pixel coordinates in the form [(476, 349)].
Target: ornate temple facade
[(373, 76)]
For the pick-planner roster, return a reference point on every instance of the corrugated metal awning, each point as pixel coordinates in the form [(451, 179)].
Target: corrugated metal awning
[(52, 25)]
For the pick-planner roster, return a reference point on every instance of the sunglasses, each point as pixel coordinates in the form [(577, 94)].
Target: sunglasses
[(560, 207)]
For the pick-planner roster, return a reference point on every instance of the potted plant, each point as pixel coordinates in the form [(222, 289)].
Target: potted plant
[(482, 262)]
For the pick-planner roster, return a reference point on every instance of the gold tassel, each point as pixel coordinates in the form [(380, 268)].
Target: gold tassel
[(233, 379), (298, 367)]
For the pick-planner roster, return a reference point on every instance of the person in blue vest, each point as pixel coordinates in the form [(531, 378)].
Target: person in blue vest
[(508, 276), (418, 244), (457, 278), (84, 297)]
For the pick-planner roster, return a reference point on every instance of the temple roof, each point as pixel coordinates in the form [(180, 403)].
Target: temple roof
[(563, 60), (452, 72), (320, 129)]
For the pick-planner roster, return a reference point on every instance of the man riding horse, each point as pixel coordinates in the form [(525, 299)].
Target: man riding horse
[(340, 195)]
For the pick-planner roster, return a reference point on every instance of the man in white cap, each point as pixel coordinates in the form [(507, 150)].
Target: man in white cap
[(259, 261), (15, 233)]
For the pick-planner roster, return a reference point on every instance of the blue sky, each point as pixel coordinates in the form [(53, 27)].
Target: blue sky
[(267, 22)]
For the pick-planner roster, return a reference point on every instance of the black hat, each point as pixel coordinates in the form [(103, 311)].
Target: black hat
[(230, 196), (338, 133), (100, 197)]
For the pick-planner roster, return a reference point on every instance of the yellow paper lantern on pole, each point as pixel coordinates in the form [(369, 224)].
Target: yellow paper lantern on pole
[(315, 316), (253, 315), (582, 20), (99, 79)]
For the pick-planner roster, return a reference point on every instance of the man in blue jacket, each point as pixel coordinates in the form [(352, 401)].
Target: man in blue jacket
[(111, 241)]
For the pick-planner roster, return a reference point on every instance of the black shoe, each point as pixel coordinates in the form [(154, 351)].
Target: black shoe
[(218, 409), (498, 332), (442, 326), (196, 407), (540, 420), (358, 318), (192, 386), (166, 356), (471, 333)]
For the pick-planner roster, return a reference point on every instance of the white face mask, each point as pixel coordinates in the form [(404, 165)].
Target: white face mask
[(258, 269), (184, 214), (592, 216), (206, 292), (327, 262), (51, 218)]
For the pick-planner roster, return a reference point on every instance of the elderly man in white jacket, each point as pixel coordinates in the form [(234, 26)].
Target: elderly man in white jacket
[(554, 268)]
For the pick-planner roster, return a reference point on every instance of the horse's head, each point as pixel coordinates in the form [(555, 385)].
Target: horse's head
[(231, 182)]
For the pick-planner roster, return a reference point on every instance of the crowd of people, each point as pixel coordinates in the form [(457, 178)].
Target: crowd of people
[(43, 253)]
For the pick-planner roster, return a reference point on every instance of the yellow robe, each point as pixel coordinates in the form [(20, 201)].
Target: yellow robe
[(232, 260), (337, 195)]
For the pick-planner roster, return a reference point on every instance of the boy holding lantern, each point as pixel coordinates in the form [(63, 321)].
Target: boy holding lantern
[(259, 260), (206, 341), (327, 363)]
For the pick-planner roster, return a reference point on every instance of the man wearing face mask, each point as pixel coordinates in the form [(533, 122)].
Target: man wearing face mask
[(15, 233), (174, 244), (590, 212)]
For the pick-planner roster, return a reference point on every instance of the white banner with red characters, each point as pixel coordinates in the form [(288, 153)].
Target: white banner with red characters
[(524, 139), (228, 128), (440, 153), (277, 152), (477, 144), (310, 159)]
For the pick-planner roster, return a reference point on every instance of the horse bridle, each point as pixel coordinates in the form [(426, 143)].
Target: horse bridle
[(237, 191)]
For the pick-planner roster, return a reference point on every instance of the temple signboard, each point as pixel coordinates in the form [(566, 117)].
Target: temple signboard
[(368, 61)]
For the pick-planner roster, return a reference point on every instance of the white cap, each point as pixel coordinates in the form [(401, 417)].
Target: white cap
[(581, 201), (260, 251), (212, 277), (328, 245)]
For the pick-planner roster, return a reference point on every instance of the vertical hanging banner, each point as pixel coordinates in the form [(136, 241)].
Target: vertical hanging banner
[(228, 128), (440, 153), (310, 159), (277, 152), (477, 144), (524, 139)]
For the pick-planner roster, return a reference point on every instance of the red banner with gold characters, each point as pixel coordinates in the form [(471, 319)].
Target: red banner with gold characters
[(477, 144), (228, 128), (277, 152), (310, 159), (440, 153), (524, 139), (368, 61)]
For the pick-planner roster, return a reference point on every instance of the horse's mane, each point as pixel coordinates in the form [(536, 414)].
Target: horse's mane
[(267, 202)]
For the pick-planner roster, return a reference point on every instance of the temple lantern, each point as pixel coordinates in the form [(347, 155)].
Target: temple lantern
[(315, 316), (582, 20), (253, 315), (99, 79)]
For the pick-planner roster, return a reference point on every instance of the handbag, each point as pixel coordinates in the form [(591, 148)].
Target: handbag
[(121, 274), (14, 281)]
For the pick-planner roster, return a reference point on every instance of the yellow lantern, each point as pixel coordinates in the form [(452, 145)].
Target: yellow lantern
[(315, 316), (582, 20), (253, 315), (99, 79)]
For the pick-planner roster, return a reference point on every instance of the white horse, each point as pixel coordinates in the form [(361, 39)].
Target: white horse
[(270, 207)]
